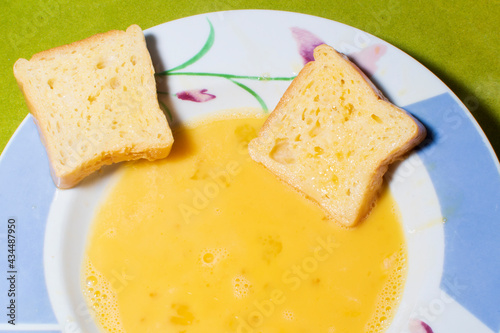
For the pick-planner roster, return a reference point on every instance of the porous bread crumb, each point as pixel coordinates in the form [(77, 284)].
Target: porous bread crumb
[(94, 102), (333, 135)]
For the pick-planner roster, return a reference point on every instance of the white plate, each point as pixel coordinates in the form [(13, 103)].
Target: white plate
[(245, 59)]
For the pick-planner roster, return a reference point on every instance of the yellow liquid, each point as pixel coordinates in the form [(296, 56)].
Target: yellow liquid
[(209, 241)]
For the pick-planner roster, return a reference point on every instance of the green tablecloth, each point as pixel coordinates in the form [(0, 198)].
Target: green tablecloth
[(457, 40)]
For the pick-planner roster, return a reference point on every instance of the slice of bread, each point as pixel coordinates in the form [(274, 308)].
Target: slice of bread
[(94, 102), (333, 135)]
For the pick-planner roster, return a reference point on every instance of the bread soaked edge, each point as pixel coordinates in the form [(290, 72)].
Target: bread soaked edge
[(369, 200)]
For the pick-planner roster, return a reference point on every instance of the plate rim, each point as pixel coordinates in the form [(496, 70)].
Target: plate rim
[(463, 108)]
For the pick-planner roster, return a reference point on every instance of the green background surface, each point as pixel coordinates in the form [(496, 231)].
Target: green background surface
[(458, 41)]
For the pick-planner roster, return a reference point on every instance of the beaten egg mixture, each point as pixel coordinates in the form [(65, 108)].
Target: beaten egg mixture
[(207, 240)]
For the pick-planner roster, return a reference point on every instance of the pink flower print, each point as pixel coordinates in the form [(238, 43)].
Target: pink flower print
[(198, 96), (306, 42), (367, 58), (418, 326)]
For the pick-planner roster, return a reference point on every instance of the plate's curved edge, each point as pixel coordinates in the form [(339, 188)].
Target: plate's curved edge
[(474, 121), (464, 108), (415, 61), (14, 135), (468, 206), (457, 100), (26, 191)]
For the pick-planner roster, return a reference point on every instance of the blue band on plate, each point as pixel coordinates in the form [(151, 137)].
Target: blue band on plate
[(467, 182), (26, 192)]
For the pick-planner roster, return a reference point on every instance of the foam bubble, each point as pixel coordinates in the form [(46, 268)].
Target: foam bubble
[(241, 286), (395, 266), (211, 257), (101, 299), (288, 315), (109, 233), (272, 247)]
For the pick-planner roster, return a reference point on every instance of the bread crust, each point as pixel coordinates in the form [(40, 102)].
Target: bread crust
[(260, 148)]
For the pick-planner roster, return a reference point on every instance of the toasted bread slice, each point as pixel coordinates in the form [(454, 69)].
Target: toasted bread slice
[(94, 102), (333, 135)]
